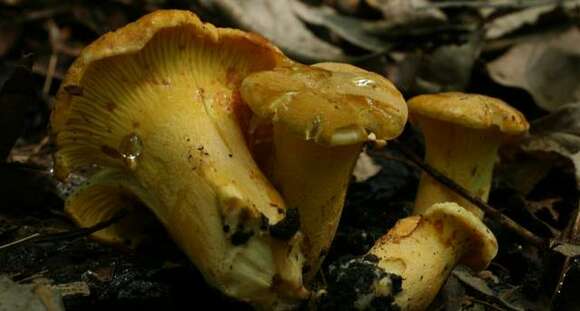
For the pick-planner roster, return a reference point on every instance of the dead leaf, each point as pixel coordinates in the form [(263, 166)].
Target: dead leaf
[(365, 168), (476, 283), (452, 294), (277, 21), (349, 7), (562, 127), (16, 297), (558, 132), (73, 289), (473, 281), (349, 28), (548, 69), (407, 12), (510, 22), (546, 205), (566, 249), (447, 68)]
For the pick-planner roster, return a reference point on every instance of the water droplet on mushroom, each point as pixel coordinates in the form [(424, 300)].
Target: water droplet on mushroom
[(130, 149), (364, 82), (314, 129)]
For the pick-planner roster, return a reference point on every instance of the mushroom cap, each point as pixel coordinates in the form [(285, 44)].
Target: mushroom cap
[(469, 110), (328, 103), (240, 53), (480, 243)]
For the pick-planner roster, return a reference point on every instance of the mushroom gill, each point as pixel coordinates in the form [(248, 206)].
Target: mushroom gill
[(154, 109)]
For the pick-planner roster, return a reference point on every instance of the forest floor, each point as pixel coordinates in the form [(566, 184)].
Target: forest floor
[(526, 53)]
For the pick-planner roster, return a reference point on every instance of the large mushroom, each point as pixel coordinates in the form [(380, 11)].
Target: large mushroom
[(151, 112), (321, 115), (462, 135)]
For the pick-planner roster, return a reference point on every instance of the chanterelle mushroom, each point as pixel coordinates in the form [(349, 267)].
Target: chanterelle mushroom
[(462, 135), (408, 265), (154, 108), (321, 116)]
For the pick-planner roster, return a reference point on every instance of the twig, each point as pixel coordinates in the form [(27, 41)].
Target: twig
[(68, 235), (489, 211), (14, 243), (514, 4), (397, 159), (51, 67), (82, 231), (55, 43)]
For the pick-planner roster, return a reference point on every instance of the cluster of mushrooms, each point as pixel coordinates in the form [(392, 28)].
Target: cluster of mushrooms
[(244, 156)]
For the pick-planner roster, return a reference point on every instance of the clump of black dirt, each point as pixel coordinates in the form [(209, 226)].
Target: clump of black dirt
[(287, 227), (352, 282)]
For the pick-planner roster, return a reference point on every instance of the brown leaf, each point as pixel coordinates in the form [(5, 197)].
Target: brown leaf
[(447, 68), (349, 28), (407, 12), (546, 205), (478, 284), (548, 68), (566, 249), (28, 297), (277, 21), (508, 23), (558, 132)]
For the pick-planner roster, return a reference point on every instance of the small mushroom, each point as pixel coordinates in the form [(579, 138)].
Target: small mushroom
[(421, 250), (321, 115), (462, 135), (151, 112)]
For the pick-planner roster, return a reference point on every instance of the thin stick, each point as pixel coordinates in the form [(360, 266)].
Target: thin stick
[(14, 243), (68, 235), (51, 68), (489, 211), (82, 231)]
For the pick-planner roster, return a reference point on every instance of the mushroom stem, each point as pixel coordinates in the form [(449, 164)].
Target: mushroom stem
[(465, 155), (313, 178), (423, 250), (197, 176)]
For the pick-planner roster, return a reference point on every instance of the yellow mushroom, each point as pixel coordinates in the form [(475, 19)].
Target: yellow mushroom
[(321, 115), (406, 267), (152, 113), (424, 249), (462, 135)]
